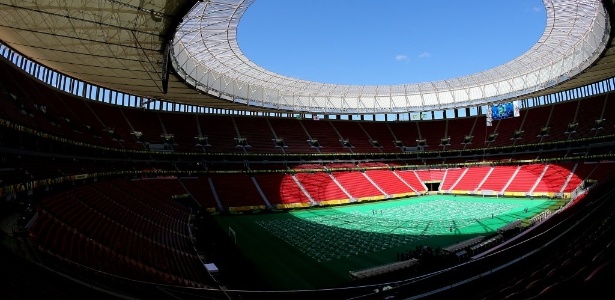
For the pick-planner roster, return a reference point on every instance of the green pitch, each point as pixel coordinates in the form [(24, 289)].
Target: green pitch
[(316, 248)]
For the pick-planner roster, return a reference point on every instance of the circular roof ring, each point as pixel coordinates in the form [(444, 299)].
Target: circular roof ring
[(205, 53)]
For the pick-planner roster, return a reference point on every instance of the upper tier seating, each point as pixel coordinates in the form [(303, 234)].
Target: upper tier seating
[(27, 102)]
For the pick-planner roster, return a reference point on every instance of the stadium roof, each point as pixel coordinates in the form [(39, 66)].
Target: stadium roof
[(121, 45)]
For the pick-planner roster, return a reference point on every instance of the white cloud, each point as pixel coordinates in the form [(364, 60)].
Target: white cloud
[(425, 55), (536, 9), (401, 57)]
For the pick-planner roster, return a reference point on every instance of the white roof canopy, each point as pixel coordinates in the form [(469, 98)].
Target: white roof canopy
[(119, 45), (206, 55)]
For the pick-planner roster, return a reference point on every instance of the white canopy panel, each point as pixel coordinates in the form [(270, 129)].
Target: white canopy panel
[(205, 53)]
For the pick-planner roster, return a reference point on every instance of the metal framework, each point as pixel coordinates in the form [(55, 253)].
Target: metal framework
[(205, 53)]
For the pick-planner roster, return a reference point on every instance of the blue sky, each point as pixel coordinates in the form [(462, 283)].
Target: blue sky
[(387, 41)]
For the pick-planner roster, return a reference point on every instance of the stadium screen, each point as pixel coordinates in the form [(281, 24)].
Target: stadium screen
[(501, 111)]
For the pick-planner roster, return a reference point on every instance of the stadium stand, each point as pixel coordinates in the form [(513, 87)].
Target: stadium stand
[(294, 136), (471, 179), (499, 178), (75, 226), (392, 185), (282, 190), (224, 187), (200, 190), (120, 199), (359, 186)]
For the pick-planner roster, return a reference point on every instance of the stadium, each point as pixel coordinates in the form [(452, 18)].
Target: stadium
[(143, 155)]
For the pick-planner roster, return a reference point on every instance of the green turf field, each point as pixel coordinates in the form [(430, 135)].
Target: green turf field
[(316, 248)]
